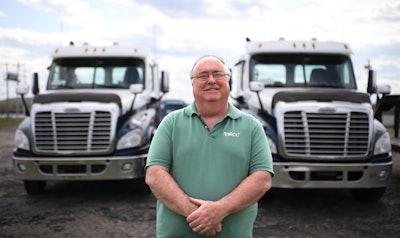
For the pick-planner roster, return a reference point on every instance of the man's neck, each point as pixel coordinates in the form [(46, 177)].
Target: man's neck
[(212, 112)]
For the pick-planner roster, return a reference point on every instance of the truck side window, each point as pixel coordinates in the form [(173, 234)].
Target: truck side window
[(153, 75), (58, 79)]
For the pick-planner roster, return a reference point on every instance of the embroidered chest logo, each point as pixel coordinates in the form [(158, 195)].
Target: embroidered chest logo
[(231, 134)]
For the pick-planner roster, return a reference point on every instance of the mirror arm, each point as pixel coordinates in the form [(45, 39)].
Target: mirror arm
[(27, 113), (131, 111)]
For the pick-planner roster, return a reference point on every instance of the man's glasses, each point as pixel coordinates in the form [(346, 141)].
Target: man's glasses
[(217, 75)]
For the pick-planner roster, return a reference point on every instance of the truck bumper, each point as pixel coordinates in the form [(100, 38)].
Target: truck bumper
[(80, 168), (322, 175)]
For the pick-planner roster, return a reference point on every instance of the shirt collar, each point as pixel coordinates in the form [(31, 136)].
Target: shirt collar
[(233, 112)]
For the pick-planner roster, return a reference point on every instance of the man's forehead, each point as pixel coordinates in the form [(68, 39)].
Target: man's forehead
[(208, 63)]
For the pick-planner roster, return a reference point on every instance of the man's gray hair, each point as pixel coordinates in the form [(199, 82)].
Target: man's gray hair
[(211, 56)]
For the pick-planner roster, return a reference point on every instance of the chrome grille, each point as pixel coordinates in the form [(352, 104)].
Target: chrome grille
[(326, 134), (73, 132)]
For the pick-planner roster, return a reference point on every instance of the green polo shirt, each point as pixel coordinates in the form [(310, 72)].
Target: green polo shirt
[(208, 164)]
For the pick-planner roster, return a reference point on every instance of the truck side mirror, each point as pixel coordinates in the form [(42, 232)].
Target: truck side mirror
[(35, 85), (164, 82), (256, 86), (136, 88), (371, 88), (22, 89), (383, 89)]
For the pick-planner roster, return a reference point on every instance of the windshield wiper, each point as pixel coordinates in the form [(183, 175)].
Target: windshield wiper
[(109, 86)]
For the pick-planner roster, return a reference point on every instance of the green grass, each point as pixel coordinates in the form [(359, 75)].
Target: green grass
[(9, 122)]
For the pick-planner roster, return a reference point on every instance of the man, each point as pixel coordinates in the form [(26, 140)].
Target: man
[(209, 163)]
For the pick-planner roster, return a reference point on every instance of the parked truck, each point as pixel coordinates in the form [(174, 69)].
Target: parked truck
[(95, 120), (321, 129)]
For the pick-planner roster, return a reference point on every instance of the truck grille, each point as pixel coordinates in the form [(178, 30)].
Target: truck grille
[(73, 132), (326, 134)]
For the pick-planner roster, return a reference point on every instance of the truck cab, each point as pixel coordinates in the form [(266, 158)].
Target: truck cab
[(321, 129), (94, 121)]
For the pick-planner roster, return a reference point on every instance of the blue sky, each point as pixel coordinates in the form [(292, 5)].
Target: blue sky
[(178, 31)]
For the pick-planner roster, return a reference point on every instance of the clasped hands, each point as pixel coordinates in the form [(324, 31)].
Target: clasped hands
[(206, 219)]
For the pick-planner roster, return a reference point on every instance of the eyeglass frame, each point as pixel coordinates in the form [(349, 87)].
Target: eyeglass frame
[(204, 76)]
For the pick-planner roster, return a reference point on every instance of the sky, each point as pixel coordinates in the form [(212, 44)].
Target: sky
[(179, 31)]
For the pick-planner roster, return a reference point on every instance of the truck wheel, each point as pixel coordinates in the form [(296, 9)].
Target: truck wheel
[(34, 187), (368, 195)]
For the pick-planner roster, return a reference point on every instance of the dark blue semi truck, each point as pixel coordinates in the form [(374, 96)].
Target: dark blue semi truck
[(320, 127), (94, 121)]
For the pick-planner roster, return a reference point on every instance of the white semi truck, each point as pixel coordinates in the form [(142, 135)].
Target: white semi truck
[(95, 120), (321, 129)]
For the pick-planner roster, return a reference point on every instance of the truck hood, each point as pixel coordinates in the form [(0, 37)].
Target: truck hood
[(320, 95), (270, 97), (123, 98)]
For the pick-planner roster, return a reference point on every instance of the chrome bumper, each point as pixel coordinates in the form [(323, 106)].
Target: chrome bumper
[(80, 168), (338, 175)]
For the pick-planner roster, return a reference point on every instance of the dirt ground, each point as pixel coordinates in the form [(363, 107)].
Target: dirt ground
[(114, 209)]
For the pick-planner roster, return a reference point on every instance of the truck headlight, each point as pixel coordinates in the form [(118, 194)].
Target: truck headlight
[(130, 139), (21, 141), (272, 146), (383, 145)]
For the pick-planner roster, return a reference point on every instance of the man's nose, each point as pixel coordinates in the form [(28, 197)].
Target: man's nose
[(211, 79)]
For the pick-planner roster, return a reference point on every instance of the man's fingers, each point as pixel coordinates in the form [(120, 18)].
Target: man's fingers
[(207, 231), (219, 228), (196, 201)]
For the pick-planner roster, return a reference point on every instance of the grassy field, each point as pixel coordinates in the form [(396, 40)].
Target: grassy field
[(9, 122), (13, 107)]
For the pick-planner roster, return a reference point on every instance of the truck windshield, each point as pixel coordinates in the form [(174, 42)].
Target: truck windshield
[(77, 73), (303, 70)]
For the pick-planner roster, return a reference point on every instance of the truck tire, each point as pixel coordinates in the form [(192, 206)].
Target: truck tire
[(34, 187), (368, 195)]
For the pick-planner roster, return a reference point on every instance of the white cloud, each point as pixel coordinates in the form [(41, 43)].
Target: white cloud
[(125, 3), (28, 37), (75, 12)]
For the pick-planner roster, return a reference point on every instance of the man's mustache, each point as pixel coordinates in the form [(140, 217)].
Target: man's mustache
[(211, 87)]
